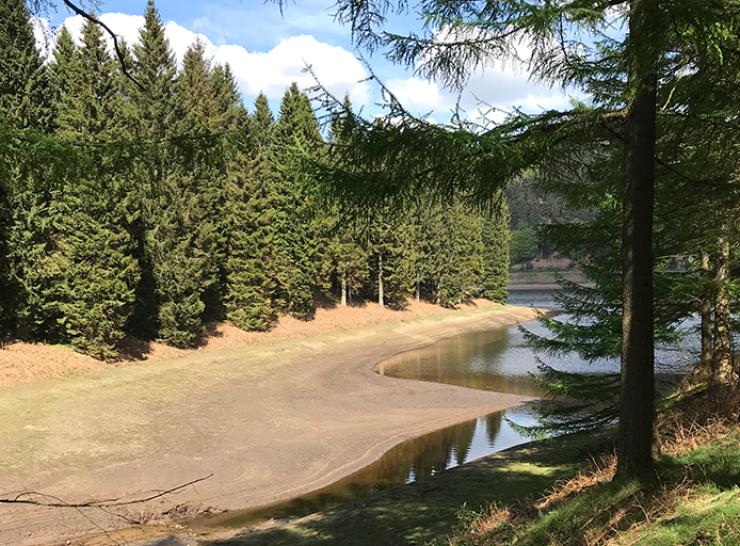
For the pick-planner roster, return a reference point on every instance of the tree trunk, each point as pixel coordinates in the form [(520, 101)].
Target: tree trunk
[(381, 297), (637, 403), (417, 294), (343, 300), (723, 372), (706, 316)]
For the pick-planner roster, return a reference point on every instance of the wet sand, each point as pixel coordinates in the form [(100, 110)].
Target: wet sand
[(269, 422)]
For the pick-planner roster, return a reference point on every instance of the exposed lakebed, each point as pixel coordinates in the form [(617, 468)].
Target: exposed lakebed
[(497, 360)]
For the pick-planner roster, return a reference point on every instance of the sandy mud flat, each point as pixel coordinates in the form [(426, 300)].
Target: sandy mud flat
[(266, 422)]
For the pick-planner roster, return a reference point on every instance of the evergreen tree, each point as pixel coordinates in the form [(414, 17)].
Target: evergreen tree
[(388, 269), (249, 267), (23, 79), (346, 256), (23, 103), (459, 255), (84, 81), (155, 72), (294, 245), (153, 120), (63, 69), (496, 240), (95, 272), (182, 241)]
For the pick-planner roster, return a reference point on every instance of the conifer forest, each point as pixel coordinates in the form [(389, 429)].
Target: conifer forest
[(370, 272), (156, 204)]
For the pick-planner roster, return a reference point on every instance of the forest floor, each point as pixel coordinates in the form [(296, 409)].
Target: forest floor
[(22, 362), (260, 421)]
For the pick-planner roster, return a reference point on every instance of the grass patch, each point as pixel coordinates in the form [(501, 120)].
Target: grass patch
[(694, 500), (418, 513)]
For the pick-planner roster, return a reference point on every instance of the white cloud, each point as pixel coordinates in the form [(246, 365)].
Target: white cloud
[(256, 71), (502, 84), (420, 95)]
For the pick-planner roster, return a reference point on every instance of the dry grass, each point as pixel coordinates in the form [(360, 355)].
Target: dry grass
[(601, 470), (23, 362), (590, 509), (680, 435)]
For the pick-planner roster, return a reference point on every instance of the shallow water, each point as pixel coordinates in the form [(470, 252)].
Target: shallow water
[(492, 360), (497, 359)]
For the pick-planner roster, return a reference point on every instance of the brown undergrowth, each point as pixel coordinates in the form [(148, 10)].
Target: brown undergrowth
[(22, 362), (694, 499)]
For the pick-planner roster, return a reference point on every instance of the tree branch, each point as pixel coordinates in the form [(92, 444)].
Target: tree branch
[(56, 502), (116, 45)]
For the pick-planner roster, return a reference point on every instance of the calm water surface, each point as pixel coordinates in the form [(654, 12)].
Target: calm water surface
[(493, 360), (496, 360)]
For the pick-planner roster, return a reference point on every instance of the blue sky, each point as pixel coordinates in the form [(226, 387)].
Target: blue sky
[(267, 51)]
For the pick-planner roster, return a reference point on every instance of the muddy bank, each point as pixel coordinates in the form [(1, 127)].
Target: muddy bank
[(269, 421)]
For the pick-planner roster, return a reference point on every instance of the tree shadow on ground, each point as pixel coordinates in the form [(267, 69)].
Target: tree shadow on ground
[(415, 514)]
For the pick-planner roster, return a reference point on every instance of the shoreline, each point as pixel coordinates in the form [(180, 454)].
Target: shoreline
[(398, 410)]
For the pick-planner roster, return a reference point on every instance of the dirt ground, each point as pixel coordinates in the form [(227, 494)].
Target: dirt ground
[(266, 421), (22, 362)]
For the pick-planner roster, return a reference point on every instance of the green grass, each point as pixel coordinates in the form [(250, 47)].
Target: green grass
[(418, 513), (695, 500)]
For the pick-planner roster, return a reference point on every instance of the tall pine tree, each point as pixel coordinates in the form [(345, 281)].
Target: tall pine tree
[(250, 214), (294, 246), (496, 239), (95, 272)]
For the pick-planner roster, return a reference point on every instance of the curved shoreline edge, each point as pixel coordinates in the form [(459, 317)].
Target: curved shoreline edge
[(416, 334)]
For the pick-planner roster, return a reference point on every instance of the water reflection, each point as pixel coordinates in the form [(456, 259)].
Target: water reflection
[(414, 460), (497, 360), (489, 360)]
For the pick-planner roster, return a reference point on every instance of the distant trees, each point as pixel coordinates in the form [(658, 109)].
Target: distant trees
[(151, 210)]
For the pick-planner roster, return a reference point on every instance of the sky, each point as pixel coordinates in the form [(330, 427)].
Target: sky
[(268, 50)]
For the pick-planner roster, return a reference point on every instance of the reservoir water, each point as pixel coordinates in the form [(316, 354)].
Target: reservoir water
[(497, 360)]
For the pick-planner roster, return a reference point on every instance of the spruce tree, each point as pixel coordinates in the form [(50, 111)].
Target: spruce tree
[(294, 253), (387, 240), (155, 72), (23, 78), (153, 120), (496, 260), (23, 104), (96, 274), (95, 271), (346, 256), (181, 238), (250, 215)]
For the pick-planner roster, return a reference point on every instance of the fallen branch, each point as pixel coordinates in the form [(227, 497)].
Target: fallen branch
[(26, 497)]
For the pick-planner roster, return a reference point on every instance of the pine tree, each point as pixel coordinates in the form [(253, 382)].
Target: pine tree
[(64, 67), (153, 120), (85, 90), (23, 104), (95, 273), (250, 217), (23, 79), (294, 244), (496, 238), (388, 269), (346, 257), (455, 253), (155, 72), (182, 240)]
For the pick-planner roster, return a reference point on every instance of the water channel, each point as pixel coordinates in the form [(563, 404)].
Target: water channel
[(497, 359)]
